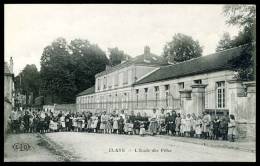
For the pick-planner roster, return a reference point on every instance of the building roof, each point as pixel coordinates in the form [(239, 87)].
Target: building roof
[(87, 91), (147, 58), (213, 62)]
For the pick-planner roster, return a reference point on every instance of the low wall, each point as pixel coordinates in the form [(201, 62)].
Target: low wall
[(246, 131), (243, 106)]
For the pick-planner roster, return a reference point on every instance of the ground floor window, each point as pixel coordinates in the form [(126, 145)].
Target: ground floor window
[(220, 91)]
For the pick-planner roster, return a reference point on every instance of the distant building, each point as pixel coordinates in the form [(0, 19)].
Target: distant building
[(201, 84), (8, 90)]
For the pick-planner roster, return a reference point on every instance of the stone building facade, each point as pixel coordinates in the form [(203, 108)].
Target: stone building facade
[(8, 92), (202, 84)]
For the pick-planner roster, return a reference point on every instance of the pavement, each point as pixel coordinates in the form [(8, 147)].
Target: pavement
[(80, 146)]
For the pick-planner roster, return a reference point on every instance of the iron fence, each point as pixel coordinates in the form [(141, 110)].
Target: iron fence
[(137, 105)]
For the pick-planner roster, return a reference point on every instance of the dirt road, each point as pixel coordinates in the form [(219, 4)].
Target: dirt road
[(13, 150), (101, 147)]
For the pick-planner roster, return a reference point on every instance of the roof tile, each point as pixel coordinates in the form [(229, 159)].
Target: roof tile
[(212, 62)]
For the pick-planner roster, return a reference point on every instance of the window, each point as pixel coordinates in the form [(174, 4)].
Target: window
[(181, 85), (87, 102), (92, 102), (116, 79), (125, 77), (109, 82), (220, 94), (125, 100), (197, 81), (156, 89), (167, 95), (137, 91), (105, 83), (145, 96), (104, 101), (117, 101), (99, 81)]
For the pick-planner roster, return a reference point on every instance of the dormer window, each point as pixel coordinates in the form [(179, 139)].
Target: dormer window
[(197, 81)]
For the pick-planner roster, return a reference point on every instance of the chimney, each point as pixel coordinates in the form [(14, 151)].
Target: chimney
[(108, 67), (11, 65), (146, 50)]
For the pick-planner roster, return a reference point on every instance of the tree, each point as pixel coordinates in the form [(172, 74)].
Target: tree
[(181, 48), (89, 60), (224, 43), (67, 69), (116, 56), (28, 81), (243, 16), (56, 77)]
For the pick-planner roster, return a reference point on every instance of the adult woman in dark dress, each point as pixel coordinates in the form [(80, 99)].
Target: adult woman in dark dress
[(137, 121), (99, 122), (172, 122), (47, 122), (145, 119)]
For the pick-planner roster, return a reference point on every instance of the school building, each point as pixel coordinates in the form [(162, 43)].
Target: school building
[(207, 83)]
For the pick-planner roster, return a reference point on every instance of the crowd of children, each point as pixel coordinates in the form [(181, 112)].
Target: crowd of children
[(202, 126)]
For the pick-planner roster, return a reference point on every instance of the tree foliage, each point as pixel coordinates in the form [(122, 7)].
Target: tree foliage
[(28, 81), (224, 43), (116, 56), (243, 16), (181, 48), (67, 69)]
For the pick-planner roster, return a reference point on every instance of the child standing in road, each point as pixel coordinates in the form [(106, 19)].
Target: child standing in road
[(198, 130), (94, 122), (188, 125), (215, 128), (115, 124), (178, 124), (211, 129), (183, 125), (232, 128), (74, 123), (142, 129), (121, 125)]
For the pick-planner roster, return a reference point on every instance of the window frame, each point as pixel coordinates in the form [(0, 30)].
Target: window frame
[(220, 95)]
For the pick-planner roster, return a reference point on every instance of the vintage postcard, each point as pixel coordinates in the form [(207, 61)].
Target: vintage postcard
[(129, 82)]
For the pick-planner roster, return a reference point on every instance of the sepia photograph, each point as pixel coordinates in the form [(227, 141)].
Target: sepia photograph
[(129, 83)]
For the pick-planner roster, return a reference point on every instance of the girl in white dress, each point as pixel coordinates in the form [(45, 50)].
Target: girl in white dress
[(198, 130), (74, 123), (183, 125), (62, 121), (94, 121), (115, 124), (188, 125)]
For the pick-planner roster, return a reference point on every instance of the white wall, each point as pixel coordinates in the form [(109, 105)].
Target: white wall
[(210, 79)]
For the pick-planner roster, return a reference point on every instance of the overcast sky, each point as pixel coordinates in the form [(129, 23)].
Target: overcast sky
[(30, 28)]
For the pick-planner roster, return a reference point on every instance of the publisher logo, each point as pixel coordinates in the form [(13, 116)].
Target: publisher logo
[(22, 147)]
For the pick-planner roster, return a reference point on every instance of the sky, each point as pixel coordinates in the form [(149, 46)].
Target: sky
[(28, 28)]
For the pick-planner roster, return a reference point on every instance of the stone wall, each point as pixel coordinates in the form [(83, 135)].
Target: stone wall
[(243, 106), (7, 112)]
